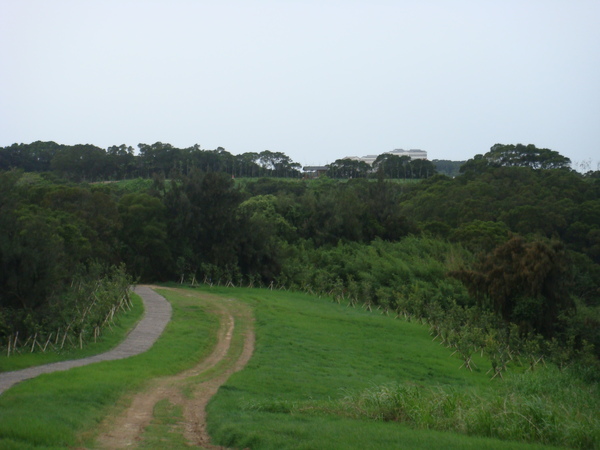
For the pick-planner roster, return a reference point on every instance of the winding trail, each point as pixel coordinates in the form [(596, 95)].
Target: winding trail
[(157, 314), (190, 389)]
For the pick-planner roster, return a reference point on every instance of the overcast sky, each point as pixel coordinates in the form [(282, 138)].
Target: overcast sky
[(315, 79)]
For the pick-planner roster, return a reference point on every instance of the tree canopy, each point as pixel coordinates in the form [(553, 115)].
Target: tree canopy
[(524, 282), (518, 155), (90, 163), (518, 231)]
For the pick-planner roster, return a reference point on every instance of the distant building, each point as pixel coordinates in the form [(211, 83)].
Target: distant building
[(412, 153), (314, 171), (317, 171), (369, 159)]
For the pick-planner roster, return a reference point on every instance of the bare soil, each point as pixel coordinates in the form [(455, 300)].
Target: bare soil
[(126, 430)]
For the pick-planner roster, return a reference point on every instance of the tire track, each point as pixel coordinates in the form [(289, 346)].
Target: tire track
[(126, 430)]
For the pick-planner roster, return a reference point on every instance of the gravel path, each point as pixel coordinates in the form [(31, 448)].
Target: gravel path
[(142, 337)]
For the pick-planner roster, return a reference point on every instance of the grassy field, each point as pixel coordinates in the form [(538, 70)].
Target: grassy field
[(64, 409), (328, 376), (323, 376)]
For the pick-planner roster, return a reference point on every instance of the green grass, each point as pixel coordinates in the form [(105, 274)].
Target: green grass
[(165, 431), (281, 431), (508, 414), (322, 376), (110, 338), (134, 185), (315, 359), (63, 409)]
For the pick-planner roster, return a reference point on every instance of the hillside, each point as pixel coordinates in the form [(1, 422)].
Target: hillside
[(321, 371), (501, 262), (323, 375)]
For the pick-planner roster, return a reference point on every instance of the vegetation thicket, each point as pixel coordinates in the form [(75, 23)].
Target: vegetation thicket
[(503, 259)]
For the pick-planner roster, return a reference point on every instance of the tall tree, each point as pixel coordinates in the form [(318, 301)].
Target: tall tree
[(160, 159), (80, 162), (266, 231), (391, 166), (120, 162), (34, 157), (145, 249), (348, 168), (524, 283), (203, 223), (526, 156)]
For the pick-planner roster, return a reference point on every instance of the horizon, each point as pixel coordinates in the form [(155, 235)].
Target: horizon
[(314, 80)]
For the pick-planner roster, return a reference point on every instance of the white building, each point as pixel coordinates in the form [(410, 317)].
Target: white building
[(412, 153)]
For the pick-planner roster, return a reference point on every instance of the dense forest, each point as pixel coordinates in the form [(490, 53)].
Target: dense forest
[(503, 257)]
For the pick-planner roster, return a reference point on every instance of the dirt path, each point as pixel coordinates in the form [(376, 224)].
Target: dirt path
[(126, 430), (157, 313)]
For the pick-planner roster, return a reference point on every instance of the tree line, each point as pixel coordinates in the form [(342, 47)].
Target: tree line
[(86, 162), (385, 165), (90, 163), (511, 247)]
